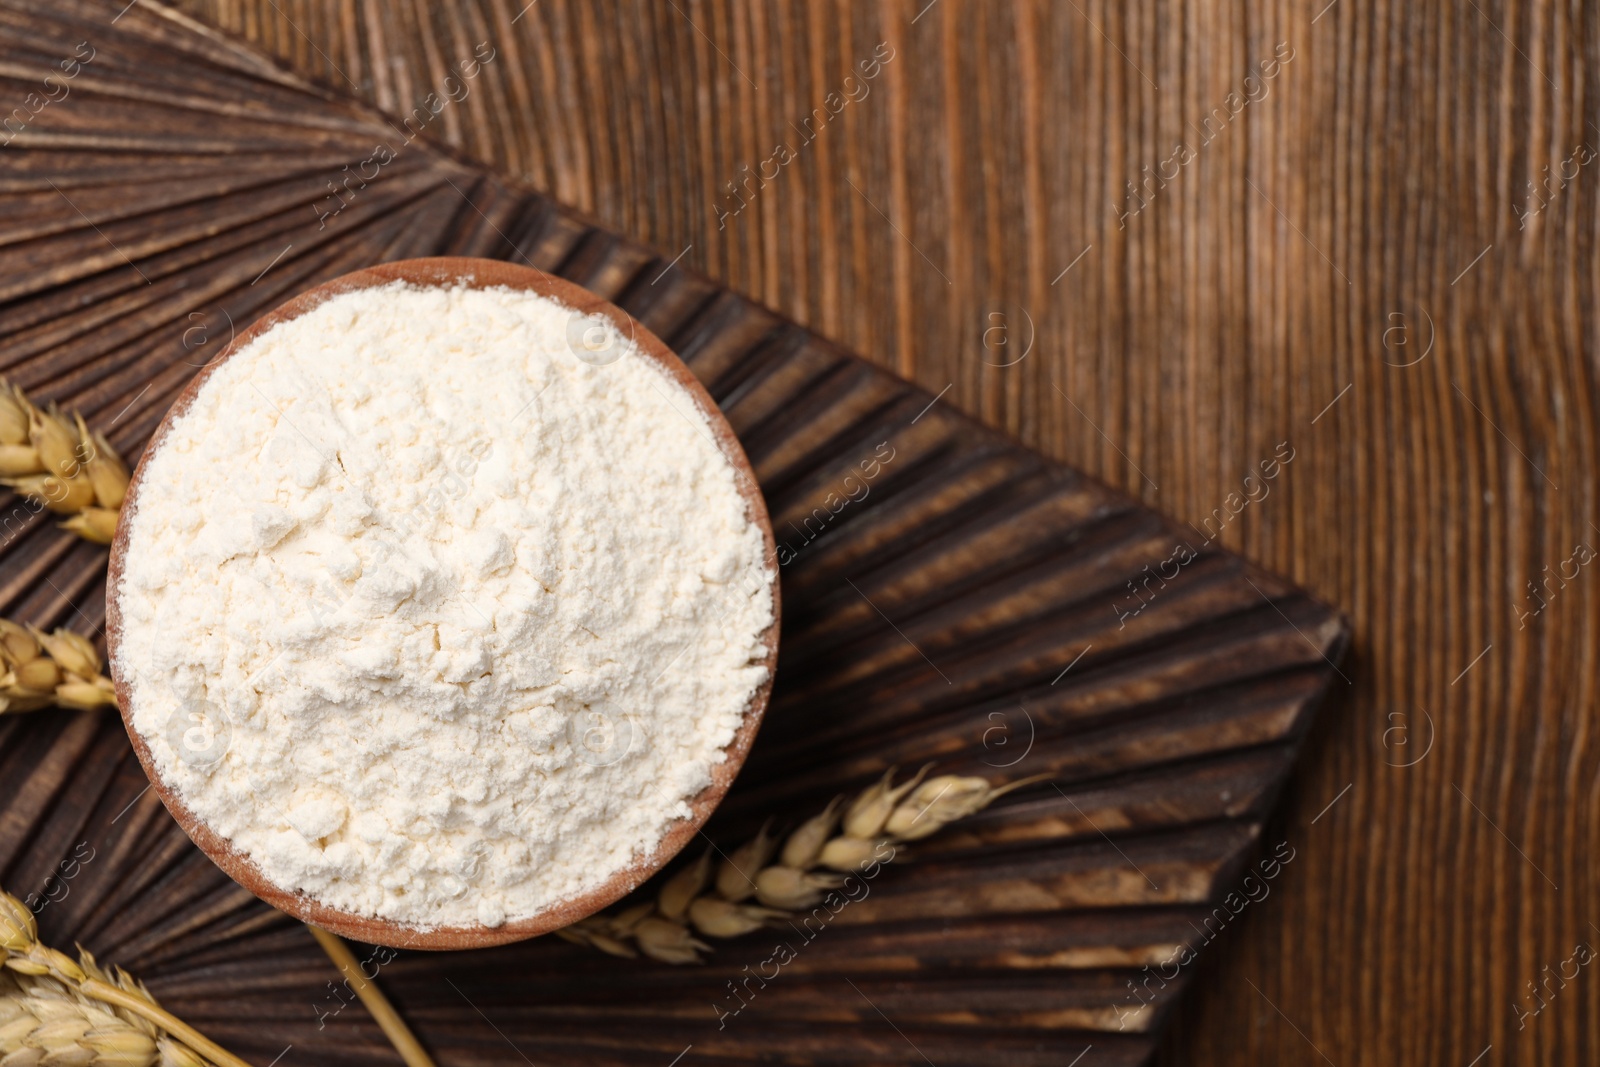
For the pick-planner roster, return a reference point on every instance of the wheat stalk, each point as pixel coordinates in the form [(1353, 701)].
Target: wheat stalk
[(43, 670), (59, 463), (382, 1012), (55, 1010), (813, 860)]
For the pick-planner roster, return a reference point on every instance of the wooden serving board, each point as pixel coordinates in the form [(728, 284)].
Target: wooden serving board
[(949, 596)]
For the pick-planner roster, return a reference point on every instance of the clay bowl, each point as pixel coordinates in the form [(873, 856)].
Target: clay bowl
[(474, 273)]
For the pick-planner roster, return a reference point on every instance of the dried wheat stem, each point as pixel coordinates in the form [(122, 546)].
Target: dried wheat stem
[(814, 859), (394, 1027), (40, 670), (58, 462), (57, 1010)]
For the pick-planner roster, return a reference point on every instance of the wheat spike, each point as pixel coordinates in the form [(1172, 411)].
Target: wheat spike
[(814, 860), (40, 670), (56, 461), (57, 1010), (40, 1020)]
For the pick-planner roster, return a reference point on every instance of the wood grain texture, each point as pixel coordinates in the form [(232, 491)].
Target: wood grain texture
[(1369, 198), (1363, 210), (950, 598)]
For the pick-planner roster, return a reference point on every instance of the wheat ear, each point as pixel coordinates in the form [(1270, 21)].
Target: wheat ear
[(41, 670), (57, 1010), (58, 462), (815, 858)]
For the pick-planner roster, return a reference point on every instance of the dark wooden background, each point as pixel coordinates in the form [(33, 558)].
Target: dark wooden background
[(1366, 208)]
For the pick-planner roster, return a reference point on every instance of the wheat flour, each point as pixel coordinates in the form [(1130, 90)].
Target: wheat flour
[(435, 620)]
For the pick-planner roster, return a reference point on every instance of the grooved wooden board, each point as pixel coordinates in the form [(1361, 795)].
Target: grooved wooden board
[(973, 609), (1387, 257)]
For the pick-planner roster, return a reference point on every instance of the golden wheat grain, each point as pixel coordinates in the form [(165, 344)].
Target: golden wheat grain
[(64, 496), (94, 524), (733, 883), (813, 860), (17, 460), (43, 1022), (40, 670), (56, 461), (14, 415), (52, 436), (105, 469), (57, 1010)]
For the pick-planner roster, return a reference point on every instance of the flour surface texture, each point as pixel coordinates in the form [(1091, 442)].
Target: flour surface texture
[(433, 619)]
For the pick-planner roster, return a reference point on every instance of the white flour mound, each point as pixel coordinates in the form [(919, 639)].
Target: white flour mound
[(433, 619)]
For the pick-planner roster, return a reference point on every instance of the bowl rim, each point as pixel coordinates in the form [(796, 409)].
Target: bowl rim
[(474, 273)]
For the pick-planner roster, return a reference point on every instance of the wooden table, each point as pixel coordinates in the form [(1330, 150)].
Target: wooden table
[(1168, 244)]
